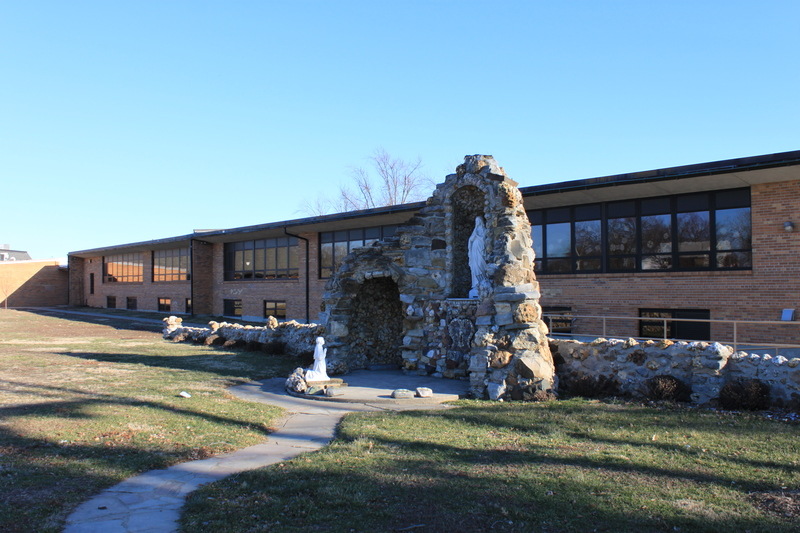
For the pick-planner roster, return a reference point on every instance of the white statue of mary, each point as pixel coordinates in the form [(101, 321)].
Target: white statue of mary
[(319, 372), (477, 256)]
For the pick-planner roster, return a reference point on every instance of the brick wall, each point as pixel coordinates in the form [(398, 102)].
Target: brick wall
[(33, 284), (758, 294)]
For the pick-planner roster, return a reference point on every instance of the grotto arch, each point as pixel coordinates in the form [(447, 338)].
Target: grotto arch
[(376, 323)]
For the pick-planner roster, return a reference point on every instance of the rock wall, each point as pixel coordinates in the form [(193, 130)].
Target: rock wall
[(290, 337), (704, 366)]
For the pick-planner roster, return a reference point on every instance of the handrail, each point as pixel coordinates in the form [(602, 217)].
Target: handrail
[(664, 320)]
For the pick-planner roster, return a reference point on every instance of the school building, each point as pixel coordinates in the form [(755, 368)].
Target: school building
[(701, 250)]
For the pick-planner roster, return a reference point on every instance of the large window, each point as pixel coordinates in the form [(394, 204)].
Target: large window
[(171, 265), (262, 259), (123, 268), (701, 231), (335, 245)]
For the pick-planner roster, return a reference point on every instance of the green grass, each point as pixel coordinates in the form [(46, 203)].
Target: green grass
[(86, 403), (572, 465)]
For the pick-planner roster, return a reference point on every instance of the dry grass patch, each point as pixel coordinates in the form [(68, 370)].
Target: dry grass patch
[(91, 404)]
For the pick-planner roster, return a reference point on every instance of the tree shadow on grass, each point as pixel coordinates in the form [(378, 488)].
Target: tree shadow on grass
[(393, 476), (43, 478), (449, 488), (240, 364)]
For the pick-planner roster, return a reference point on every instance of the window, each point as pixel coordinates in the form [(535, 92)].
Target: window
[(261, 259), (232, 307), (335, 245), (165, 305), (123, 268), (171, 265), (275, 308), (91, 283), (699, 231), (188, 305), (558, 319), (111, 302), (130, 303), (698, 331)]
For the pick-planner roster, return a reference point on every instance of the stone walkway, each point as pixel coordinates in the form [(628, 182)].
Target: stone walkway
[(152, 502)]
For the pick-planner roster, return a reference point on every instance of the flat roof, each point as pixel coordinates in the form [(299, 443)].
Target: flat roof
[(715, 175)]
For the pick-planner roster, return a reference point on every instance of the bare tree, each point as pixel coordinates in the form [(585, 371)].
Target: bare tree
[(389, 181)]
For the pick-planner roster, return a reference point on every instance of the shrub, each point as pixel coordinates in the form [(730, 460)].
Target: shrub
[(667, 388), (745, 395), (591, 387)]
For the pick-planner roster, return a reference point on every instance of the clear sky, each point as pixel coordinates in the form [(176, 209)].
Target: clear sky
[(124, 121)]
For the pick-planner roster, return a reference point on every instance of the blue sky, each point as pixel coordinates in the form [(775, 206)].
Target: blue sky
[(129, 121)]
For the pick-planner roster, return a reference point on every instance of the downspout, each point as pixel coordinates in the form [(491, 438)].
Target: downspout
[(308, 274), (191, 275)]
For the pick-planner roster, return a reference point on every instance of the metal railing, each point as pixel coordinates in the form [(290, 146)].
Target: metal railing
[(736, 343)]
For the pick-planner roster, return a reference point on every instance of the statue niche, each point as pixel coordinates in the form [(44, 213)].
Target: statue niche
[(468, 204)]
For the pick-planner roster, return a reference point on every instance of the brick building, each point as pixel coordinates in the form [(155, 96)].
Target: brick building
[(712, 241)]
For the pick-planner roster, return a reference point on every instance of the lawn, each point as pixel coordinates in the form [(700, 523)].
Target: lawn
[(86, 403), (571, 465)]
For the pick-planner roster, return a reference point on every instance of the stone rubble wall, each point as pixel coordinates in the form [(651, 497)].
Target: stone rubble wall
[(703, 366), (293, 337)]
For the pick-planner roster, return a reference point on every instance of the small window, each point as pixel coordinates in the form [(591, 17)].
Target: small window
[(165, 305), (232, 307), (91, 283), (558, 319), (130, 303), (189, 306), (111, 302), (275, 308), (683, 329)]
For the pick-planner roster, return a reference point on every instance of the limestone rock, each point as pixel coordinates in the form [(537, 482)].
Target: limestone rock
[(402, 394), (424, 392)]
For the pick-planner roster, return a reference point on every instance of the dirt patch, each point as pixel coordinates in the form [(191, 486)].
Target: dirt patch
[(785, 504)]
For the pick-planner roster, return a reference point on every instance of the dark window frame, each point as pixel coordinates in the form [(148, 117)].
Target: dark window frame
[(560, 326), (173, 264), (164, 304), (331, 256), (123, 268), (697, 331), (708, 246), (276, 258), (232, 307), (275, 308), (131, 303)]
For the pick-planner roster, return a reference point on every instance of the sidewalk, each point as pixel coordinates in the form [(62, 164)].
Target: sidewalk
[(152, 502)]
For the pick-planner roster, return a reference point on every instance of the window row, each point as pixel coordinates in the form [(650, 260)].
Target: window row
[(335, 245), (168, 265), (688, 232), (275, 258), (163, 305), (274, 308)]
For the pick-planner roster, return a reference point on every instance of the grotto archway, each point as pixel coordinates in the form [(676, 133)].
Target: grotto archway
[(376, 322)]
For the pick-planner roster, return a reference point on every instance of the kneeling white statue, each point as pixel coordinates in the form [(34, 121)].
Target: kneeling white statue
[(319, 372)]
